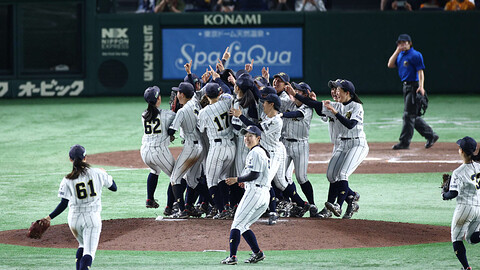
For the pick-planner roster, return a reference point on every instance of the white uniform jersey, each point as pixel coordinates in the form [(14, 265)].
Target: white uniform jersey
[(241, 150), (237, 121), (255, 201), (155, 130), (188, 164), (84, 193), (466, 218), (187, 120), (465, 180), (272, 131), (352, 111), (257, 161), (333, 128), (352, 145), (285, 101), (297, 128), (214, 119), (295, 138)]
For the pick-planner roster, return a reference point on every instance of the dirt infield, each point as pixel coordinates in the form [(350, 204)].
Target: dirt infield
[(304, 233), (381, 158), (209, 234)]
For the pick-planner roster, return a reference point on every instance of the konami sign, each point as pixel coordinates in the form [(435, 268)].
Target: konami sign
[(232, 19)]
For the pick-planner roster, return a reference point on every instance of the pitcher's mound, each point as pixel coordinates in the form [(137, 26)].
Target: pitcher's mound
[(208, 234)]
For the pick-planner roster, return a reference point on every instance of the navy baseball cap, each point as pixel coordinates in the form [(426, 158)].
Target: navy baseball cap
[(346, 85), (283, 76), (404, 37), (240, 73), (333, 84), (251, 129), (261, 81), (77, 152), (212, 90), (151, 94), (467, 144), (186, 88), (267, 90), (302, 87), (273, 98), (194, 79), (244, 82)]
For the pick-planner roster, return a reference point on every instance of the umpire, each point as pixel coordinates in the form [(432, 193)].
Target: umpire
[(411, 71)]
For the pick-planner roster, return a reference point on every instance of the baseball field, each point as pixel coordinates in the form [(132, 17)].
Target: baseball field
[(399, 189)]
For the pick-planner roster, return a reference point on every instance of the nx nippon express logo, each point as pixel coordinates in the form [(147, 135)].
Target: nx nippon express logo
[(114, 39), (239, 56)]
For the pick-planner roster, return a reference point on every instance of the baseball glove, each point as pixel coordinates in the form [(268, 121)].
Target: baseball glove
[(37, 228), (446, 182)]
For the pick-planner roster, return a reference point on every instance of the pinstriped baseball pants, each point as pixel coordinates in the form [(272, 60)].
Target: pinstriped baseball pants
[(86, 228), (346, 158), (466, 221)]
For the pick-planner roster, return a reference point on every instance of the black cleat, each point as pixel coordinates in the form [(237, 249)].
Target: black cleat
[(256, 257), (431, 141), (151, 204), (400, 146)]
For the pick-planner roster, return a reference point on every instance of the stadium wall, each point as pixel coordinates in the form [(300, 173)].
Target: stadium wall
[(122, 54)]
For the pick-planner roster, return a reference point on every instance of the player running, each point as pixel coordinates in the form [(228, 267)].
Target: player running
[(464, 185), (271, 127), (254, 178), (352, 150), (154, 151), (296, 121), (189, 162), (215, 121), (350, 146), (81, 191)]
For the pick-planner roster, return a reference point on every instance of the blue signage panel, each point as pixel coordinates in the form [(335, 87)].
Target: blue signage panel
[(279, 49)]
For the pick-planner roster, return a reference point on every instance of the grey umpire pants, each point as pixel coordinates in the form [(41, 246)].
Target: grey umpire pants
[(411, 120)]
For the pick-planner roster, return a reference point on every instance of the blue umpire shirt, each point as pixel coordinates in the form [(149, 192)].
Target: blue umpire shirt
[(408, 64)]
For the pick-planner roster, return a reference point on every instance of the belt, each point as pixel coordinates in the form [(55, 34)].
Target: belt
[(292, 140), (347, 139), (195, 142), (409, 83), (220, 140), (261, 186)]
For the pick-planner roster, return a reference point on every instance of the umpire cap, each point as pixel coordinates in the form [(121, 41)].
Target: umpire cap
[(77, 152), (251, 129), (468, 145), (151, 95), (404, 37)]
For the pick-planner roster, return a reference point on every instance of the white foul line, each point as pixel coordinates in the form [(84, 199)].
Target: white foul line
[(395, 160), (423, 161)]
